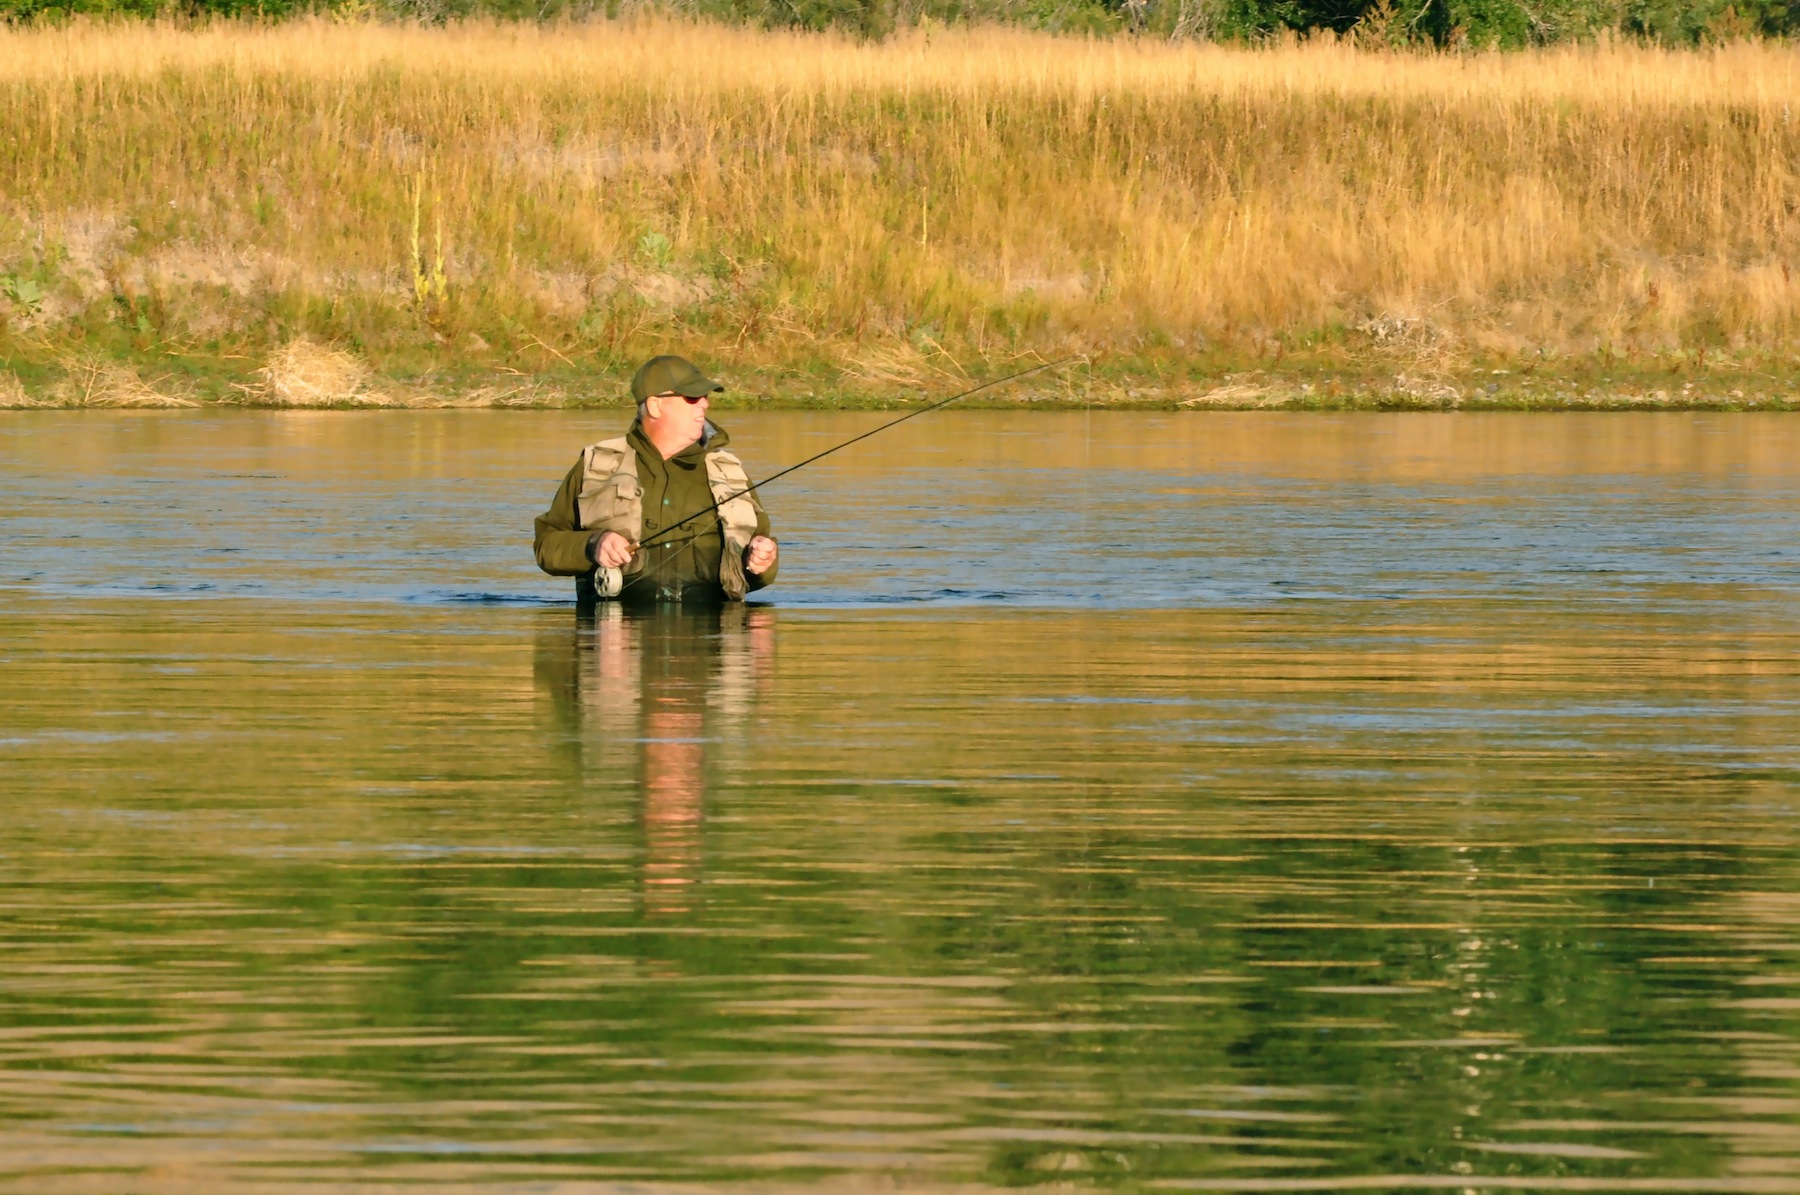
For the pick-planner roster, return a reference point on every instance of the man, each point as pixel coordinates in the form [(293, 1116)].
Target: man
[(659, 514)]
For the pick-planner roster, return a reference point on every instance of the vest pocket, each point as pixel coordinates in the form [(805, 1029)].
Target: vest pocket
[(618, 498)]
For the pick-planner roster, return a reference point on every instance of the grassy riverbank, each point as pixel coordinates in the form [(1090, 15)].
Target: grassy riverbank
[(319, 213)]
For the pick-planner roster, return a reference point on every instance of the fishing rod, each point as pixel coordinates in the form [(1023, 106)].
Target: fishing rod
[(713, 510)]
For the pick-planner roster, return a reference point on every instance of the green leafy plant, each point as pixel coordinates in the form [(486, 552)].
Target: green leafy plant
[(655, 248), (26, 292)]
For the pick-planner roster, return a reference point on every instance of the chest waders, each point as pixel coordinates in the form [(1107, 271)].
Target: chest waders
[(612, 499)]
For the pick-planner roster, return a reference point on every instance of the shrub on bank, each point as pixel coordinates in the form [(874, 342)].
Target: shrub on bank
[(1509, 24)]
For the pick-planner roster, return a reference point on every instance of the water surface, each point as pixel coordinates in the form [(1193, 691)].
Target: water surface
[(1215, 802)]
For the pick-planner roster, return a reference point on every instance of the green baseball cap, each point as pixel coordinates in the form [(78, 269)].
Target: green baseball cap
[(671, 375)]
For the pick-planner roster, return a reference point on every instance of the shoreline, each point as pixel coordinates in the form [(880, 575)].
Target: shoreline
[(1614, 404), (1321, 389)]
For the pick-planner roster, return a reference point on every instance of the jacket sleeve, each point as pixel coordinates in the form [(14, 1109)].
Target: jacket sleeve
[(560, 543), (756, 581)]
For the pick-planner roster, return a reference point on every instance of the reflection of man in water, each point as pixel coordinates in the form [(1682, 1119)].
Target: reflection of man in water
[(650, 694), (669, 481)]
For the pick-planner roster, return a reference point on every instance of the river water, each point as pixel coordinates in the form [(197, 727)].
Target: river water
[(1099, 801)]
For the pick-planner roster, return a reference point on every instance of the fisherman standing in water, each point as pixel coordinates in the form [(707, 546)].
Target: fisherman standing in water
[(662, 513)]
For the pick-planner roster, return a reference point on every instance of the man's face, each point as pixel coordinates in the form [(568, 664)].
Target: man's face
[(676, 418)]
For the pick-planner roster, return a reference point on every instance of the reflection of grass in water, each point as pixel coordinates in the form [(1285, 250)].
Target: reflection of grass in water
[(818, 214), (1064, 971)]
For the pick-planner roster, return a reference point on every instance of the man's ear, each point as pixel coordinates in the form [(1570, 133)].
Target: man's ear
[(653, 406)]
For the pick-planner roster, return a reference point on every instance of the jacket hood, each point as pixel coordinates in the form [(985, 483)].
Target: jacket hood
[(712, 438)]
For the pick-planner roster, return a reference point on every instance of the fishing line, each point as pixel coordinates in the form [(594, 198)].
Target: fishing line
[(943, 402), (713, 510)]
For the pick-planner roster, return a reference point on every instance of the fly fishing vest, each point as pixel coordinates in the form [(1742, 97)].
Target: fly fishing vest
[(612, 499)]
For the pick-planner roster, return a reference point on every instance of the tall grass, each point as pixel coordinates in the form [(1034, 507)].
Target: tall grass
[(488, 196)]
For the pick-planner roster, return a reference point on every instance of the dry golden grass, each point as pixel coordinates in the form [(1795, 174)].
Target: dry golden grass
[(304, 374), (545, 198), (93, 381), (12, 393)]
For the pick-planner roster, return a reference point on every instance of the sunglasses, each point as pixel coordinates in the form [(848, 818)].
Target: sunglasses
[(690, 399)]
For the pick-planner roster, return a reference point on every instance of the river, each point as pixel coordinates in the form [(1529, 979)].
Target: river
[(1244, 802)]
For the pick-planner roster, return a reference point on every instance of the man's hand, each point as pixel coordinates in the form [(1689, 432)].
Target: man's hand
[(613, 550), (759, 558)]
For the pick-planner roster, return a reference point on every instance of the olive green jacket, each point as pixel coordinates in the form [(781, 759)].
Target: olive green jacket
[(674, 490)]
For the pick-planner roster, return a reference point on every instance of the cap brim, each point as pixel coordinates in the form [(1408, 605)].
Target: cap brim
[(699, 388)]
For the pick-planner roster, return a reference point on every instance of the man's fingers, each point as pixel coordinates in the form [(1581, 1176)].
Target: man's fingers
[(614, 550), (762, 554)]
